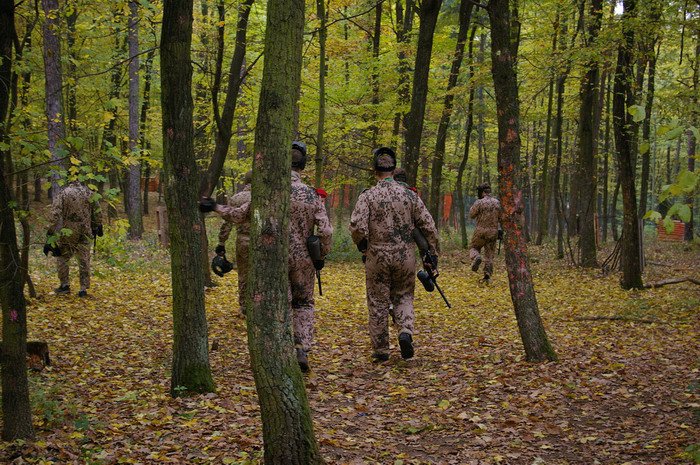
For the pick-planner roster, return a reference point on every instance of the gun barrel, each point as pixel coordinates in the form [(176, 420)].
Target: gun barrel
[(442, 294), (318, 277)]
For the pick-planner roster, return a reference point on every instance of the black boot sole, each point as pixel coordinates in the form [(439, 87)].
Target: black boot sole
[(406, 345), (476, 265)]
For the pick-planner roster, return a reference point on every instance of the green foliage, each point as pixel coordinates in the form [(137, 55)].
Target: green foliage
[(686, 184), (113, 245)]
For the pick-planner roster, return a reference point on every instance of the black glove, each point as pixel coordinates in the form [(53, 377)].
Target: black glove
[(97, 231), (220, 249), (318, 264), (207, 204), (53, 249), (362, 245), (430, 262), (500, 234)]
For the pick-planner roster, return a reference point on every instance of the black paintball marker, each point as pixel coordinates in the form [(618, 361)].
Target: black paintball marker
[(428, 275), (500, 239), (313, 243)]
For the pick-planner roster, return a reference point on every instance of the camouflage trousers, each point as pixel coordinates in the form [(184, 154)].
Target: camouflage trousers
[(242, 246), (484, 239), (391, 281), (81, 247), (301, 294)]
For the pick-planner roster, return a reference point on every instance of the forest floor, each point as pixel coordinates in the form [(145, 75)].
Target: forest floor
[(623, 391)]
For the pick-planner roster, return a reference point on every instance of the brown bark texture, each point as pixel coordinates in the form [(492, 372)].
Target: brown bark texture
[(16, 410), (288, 435), (522, 291), (190, 371), (133, 179)]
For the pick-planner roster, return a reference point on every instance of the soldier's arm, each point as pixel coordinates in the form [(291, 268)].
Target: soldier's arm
[(359, 220), (323, 227), (474, 210), (424, 221), (235, 215), (225, 232)]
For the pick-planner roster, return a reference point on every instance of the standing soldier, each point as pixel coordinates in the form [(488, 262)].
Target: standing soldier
[(76, 217), (486, 211), (242, 238), (381, 225), (307, 212)]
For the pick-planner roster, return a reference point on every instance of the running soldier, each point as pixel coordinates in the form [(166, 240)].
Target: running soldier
[(381, 225), (486, 211), (76, 218)]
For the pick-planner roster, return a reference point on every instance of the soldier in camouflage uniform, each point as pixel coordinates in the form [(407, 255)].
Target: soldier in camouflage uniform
[(381, 224), (75, 210), (242, 238), (307, 212), (486, 211)]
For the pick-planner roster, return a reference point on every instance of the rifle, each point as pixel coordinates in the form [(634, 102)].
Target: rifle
[(427, 276), (313, 244), (500, 239)]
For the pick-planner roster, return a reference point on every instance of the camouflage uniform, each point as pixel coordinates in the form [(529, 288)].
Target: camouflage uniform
[(242, 241), (307, 211), (386, 215), (486, 211), (73, 209)]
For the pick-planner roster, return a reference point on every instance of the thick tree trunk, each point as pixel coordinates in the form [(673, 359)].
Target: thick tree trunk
[(585, 176), (413, 122), (55, 119), (622, 100), (133, 178), (224, 121), (71, 19), (462, 209), (322, 34), (190, 370), (287, 427), (465, 12), (692, 141), (16, 410), (522, 291)]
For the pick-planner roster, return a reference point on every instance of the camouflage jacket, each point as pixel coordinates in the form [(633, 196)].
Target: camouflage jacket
[(307, 212), (486, 211), (74, 208), (243, 228), (386, 215)]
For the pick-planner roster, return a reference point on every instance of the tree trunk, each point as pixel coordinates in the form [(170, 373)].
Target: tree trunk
[(622, 100), (376, 41), (145, 105), (71, 19), (692, 141), (54, 91), (646, 132), (322, 34), (586, 163), (606, 165), (287, 427), (133, 178), (467, 140), (544, 182), (224, 122), (190, 370), (522, 291), (465, 12), (16, 410), (413, 121), (404, 24)]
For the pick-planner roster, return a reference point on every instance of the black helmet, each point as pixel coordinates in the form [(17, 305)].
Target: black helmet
[(299, 162), (378, 152), (220, 266)]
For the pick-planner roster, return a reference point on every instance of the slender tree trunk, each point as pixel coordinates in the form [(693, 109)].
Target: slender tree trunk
[(544, 182), (322, 34), (376, 41), (622, 100), (503, 59), (646, 133), (465, 12), (54, 91), (145, 105), (190, 372), (404, 22), (413, 122), (606, 165), (16, 410), (586, 163), (287, 426), (467, 141), (133, 178), (71, 19), (224, 121), (692, 141)]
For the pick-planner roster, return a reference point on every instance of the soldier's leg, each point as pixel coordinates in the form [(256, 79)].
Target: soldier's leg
[(301, 280), (62, 264), (83, 250), (378, 301), (475, 250), (242, 264), (489, 252), (403, 287)]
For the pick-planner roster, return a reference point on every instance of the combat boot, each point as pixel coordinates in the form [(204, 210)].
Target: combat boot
[(406, 344), (82, 293), (476, 264), (303, 360), (62, 289), (378, 358)]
